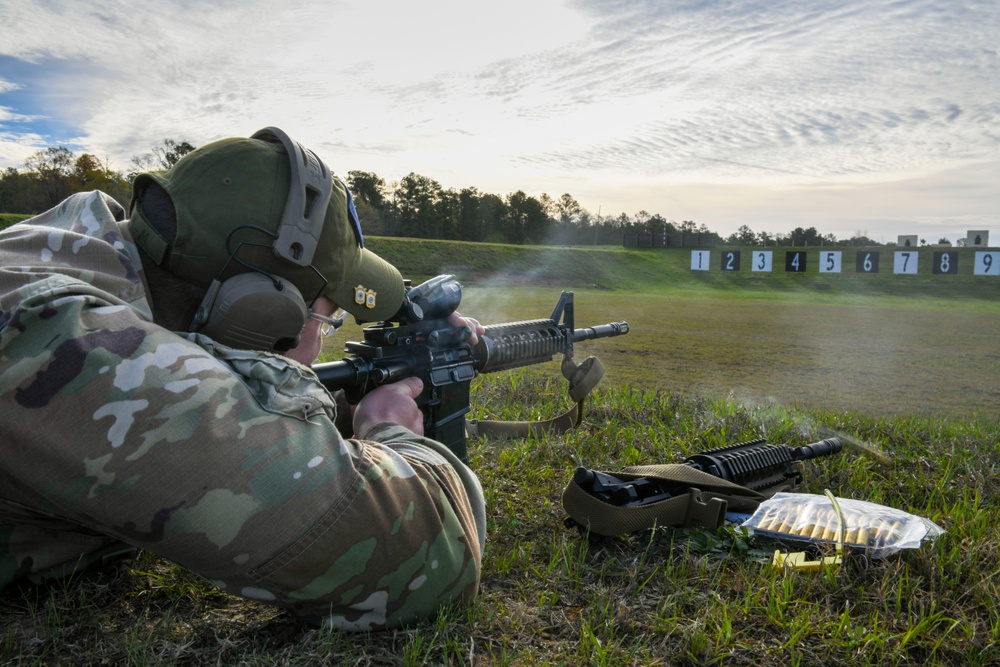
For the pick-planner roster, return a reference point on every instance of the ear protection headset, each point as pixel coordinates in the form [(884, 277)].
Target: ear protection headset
[(256, 309)]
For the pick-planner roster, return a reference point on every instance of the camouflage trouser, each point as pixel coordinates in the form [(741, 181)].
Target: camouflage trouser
[(39, 555)]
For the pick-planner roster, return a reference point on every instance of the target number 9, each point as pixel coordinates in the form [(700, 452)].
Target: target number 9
[(987, 264)]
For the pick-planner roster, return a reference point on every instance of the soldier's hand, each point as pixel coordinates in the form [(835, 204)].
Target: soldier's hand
[(393, 403), (477, 329)]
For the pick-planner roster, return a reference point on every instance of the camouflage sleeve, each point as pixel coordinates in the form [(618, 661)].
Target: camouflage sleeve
[(433, 453), (229, 463)]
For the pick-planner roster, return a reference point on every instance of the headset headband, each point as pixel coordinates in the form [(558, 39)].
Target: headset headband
[(308, 196)]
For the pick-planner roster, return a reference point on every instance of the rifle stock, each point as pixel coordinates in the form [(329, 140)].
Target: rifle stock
[(420, 341)]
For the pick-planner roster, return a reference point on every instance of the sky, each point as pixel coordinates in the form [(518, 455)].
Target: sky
[(856, 117)]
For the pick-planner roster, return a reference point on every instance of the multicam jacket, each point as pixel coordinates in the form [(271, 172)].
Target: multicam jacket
[(115, 430)]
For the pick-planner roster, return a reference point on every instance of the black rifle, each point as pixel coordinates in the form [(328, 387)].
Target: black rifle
[(419, 341), (755, 464)]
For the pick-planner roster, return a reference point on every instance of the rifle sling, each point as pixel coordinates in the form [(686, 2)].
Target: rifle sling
[(702, 499), (582, 379)]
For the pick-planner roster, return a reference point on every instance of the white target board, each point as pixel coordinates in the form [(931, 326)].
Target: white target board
[(699, 260), (905, 261), (761, 261), (987, 264), (978, 238), (829, 261)]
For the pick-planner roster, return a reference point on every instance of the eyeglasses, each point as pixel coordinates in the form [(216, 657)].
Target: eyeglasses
[(329, 324)]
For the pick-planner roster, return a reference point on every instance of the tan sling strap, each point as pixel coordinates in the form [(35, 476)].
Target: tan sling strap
[(582, 379), (701, 499)]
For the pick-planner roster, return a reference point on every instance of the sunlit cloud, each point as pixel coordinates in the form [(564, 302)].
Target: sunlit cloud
[(720, 112)]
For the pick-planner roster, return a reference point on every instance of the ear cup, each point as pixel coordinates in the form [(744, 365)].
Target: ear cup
[(252, 311)]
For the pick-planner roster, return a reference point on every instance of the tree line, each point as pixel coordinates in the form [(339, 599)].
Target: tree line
[(51, 174), (416, 206)]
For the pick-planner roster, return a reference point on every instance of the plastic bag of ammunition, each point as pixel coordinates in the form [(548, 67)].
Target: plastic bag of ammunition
[(878, 531)]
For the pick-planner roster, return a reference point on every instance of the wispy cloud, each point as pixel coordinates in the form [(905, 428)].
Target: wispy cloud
[(614, 101)]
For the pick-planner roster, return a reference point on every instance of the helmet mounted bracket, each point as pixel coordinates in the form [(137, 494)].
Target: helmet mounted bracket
[(308, 196)]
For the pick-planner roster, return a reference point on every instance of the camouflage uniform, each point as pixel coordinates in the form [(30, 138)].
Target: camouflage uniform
[(227, 462)]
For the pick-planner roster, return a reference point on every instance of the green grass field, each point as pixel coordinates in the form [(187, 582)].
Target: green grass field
[(8, 219), (904, 366), (923, 345)]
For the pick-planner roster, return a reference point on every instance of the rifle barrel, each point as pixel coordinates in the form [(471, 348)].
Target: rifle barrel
[(821, 448), (600, 331)]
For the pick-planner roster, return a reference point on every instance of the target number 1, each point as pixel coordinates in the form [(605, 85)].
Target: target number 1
[(699, 260)]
